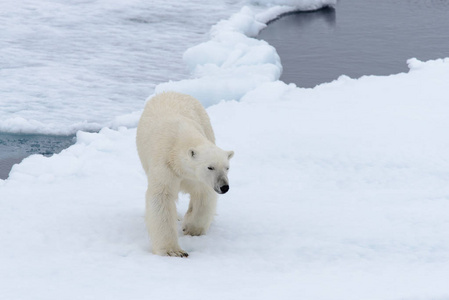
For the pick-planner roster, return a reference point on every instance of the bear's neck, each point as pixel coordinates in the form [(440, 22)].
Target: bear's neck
[(179, 158)]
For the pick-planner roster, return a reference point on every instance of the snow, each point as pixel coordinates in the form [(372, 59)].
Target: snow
[(230, 64), (337, 192), (275, 8), (61, 59), (78, 65)]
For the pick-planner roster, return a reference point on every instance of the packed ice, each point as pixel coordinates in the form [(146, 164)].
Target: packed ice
[(80, 65)]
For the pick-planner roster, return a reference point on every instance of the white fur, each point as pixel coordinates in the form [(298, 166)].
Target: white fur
[(176, 146)]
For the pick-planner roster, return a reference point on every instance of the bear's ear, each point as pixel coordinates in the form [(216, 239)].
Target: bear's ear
[(230, 154), (192, 153)]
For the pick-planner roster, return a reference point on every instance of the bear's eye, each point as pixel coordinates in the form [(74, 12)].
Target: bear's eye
[(211, 168)]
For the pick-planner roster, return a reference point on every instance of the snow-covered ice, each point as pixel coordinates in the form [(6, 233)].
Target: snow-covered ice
[(71, 65), (337, 192)]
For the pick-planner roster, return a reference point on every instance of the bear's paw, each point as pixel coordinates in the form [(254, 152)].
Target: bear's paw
[(177, 253), (189, 229)]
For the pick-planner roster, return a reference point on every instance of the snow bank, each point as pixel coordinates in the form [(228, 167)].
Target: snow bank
[(277, 8), (303, 5), (232, 63)]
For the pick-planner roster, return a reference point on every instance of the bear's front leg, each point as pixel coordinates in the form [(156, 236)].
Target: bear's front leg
[(161, 222), (199, 216)]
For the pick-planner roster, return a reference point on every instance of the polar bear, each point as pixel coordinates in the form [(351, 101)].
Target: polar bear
[(176, 146)]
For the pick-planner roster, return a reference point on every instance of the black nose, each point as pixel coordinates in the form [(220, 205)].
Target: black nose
[(224, 189)]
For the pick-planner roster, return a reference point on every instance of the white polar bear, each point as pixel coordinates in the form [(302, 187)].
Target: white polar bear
[(176, 146)]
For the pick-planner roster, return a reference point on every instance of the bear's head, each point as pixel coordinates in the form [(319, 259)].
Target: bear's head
[(210, 165)]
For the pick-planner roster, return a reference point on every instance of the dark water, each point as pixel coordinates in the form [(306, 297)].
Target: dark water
[(359, 37), (15, 147)]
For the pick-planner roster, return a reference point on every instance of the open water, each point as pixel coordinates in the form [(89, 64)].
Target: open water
[(358, 37), (15, 147)]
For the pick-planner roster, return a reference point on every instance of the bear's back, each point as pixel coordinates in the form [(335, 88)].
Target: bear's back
[(176, 106)]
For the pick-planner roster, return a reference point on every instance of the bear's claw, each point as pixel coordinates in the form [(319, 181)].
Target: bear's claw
[(193, 231), (180, 253)]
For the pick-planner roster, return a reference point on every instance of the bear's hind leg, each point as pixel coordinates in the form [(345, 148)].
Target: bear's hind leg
[(199, 216), (161, 223)]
